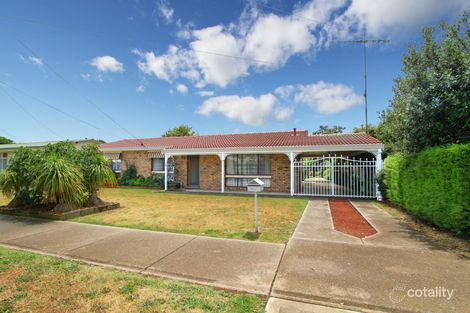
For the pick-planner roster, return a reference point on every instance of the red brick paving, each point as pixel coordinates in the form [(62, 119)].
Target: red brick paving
[(348, 220)]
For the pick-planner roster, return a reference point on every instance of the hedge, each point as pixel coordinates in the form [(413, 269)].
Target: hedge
[(433, 185)]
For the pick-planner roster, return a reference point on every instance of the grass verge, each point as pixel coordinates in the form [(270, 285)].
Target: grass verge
[(34, 283)]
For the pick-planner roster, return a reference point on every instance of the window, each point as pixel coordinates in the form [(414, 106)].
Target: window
[(116, 166), (158, 164), (3, 161), (241, 168)]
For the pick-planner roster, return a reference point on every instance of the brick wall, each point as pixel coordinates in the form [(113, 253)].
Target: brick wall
[(139, 159), (181, 168), (209, 172), (280, 173)]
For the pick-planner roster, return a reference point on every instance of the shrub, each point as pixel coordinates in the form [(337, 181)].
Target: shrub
[(433, 184), (129, 174), (130, 178), (60, 174)]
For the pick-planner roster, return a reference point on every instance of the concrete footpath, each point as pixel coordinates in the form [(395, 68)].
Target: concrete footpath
[(230, 264), (396, 270)]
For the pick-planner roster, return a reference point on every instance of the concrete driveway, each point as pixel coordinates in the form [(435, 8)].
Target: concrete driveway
[(394, 270)]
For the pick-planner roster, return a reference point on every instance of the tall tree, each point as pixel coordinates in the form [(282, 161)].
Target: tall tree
[(4, 140), (325, 130), (181, 130), (431, 102)]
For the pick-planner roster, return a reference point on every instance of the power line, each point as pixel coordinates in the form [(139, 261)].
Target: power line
[(57, 26), (78, 91), (30, 114), (56, 108), (51, 106), (233, 56)]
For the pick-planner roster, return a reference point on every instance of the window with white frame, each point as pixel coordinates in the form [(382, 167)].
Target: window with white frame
[(158, 165), (116, 165), (3, 161), (241, 168)]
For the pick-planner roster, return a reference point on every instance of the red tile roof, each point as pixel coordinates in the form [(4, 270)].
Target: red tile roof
[(243, 140)]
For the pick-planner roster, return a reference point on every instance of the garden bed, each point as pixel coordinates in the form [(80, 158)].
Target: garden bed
[(45, 212), (348, 220)]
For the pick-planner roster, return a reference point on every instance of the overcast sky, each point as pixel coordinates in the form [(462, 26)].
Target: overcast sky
[(118, 69)]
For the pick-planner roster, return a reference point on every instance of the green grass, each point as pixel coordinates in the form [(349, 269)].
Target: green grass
[(210, 215), (36, 283)]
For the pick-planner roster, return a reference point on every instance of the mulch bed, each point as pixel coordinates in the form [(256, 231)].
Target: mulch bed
[(348, 220)]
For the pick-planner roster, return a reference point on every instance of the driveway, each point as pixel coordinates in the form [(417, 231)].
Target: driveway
[(393, 270)]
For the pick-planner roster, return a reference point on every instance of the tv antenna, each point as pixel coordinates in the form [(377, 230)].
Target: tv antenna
[(364, 41)]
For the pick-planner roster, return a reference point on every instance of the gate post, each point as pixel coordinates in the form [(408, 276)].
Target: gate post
[(378, 167), (291, 158), (332, 171)]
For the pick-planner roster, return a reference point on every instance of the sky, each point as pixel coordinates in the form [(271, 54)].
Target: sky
[(132, 69)]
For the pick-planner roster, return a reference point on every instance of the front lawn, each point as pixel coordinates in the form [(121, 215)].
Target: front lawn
[(209, 215), (34, 283)]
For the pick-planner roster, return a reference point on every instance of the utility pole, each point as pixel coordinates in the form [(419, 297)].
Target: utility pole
[(364, 41)]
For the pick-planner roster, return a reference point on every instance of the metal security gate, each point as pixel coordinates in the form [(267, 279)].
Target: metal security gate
[(335, 176)]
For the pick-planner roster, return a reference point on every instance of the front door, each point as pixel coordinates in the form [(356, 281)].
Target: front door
[(193, 172)]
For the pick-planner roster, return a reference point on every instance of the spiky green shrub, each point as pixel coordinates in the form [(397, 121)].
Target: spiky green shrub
[(61, 182), (59, 174)]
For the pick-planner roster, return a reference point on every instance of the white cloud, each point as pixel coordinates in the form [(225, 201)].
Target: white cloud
[(248, 110), (92, 77), (282, 114), (221, 54), (397, 19), (211, 48), (165, 10), (206, 93), (32, 60), (284, 91), (107, 63), (175, 63), (182, 89), (327, 98), (140, 89)]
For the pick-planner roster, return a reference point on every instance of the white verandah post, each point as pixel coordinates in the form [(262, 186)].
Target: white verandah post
[(166, 171), (378, 167), (291, 156), (222, 157)]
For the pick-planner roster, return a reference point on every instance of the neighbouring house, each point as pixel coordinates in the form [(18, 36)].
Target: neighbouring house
[(288, 162), (8, 150)]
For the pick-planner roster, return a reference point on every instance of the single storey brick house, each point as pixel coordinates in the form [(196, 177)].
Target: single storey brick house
[(291, 162)]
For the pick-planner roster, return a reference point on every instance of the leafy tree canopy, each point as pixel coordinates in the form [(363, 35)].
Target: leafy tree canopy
[(181, 130), (325, 129), (4, 140), (431, 102)]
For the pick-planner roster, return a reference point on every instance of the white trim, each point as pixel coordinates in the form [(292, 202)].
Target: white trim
[(249, 176)]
